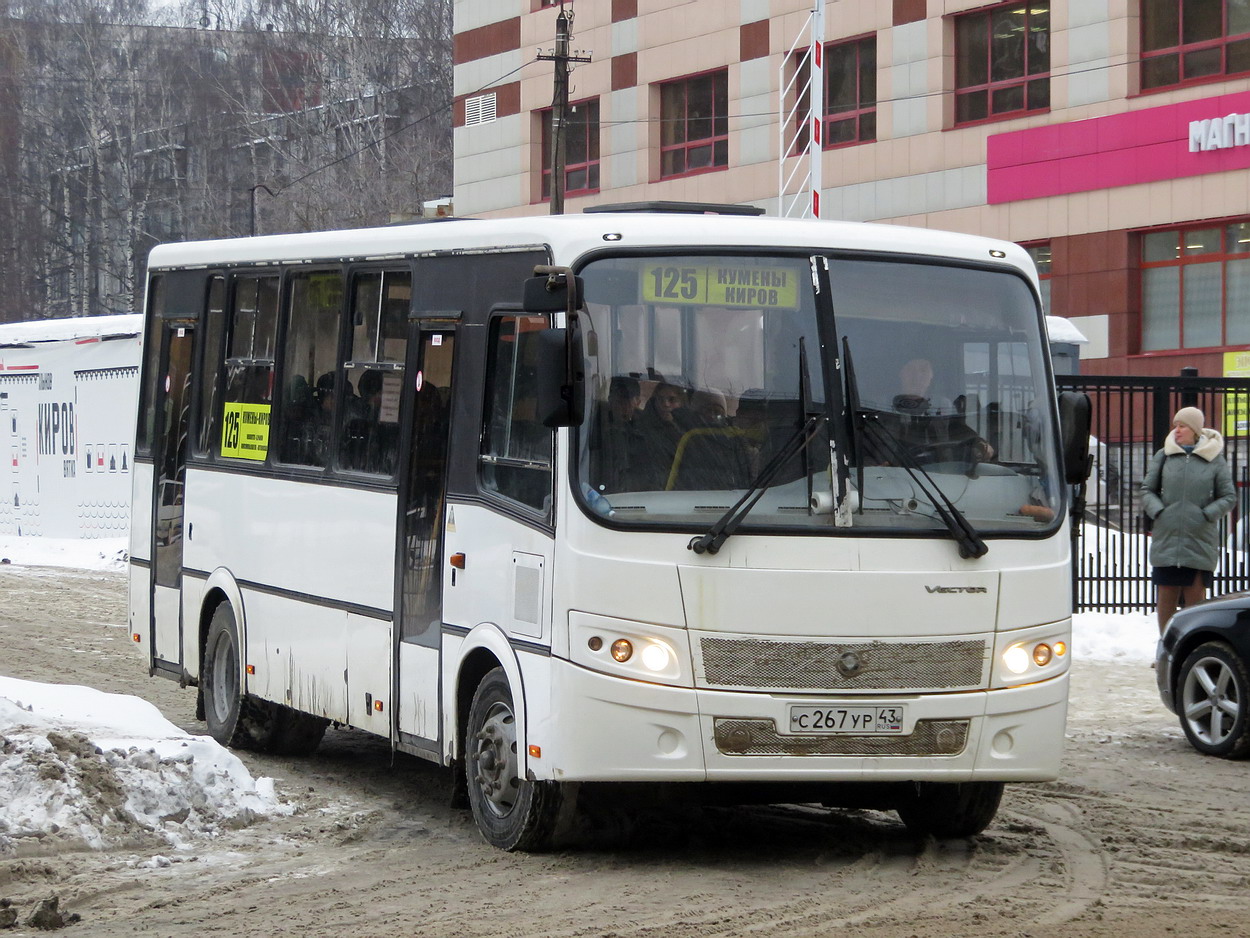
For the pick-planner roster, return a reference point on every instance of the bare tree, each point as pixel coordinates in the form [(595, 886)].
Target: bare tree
[(199, 121)]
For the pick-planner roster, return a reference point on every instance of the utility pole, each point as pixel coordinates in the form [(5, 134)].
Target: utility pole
[(560, 104)]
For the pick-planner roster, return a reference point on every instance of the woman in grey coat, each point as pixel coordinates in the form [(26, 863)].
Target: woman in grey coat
[(1187, 490)]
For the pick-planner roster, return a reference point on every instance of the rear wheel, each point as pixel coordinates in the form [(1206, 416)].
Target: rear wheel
[(945, 810), (1213, 699), (512, 813), (243, 722), (222, 680)]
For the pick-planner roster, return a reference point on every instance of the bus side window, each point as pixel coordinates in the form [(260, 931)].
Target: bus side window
[(516, 447), (313, 389), (215, 326), (248, 397), (146, 431), (369, 437)]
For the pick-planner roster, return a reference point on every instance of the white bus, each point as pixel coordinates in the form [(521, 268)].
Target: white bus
[(773, 506)]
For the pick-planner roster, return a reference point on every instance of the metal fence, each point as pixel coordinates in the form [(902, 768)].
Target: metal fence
[(1131, 418)]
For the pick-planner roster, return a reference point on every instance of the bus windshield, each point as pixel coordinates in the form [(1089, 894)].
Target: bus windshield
[(704, 370)]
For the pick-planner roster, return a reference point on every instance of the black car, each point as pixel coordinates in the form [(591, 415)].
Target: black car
[(1203, 669)]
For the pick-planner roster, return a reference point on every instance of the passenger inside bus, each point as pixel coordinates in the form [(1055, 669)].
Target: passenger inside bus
[(930, 429), (617, 436), (661, 425)]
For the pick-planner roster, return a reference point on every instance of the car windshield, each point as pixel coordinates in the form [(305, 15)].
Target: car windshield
[(703, 368)]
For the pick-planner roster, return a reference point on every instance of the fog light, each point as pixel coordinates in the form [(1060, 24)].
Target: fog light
[(1016, 659), (622, 650), (1041, 655), (655, 657), (1061, 649), (594, 643)]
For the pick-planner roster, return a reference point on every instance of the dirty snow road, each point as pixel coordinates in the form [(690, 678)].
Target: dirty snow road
[(1142, 837)]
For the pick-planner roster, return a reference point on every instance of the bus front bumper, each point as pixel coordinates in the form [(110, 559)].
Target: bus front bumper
[(602, 728)]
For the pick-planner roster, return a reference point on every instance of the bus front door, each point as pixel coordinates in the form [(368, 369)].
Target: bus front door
[(173, 410), (422, 499)]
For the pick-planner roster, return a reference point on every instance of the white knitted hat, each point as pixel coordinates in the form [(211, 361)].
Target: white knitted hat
[(1190, 417)]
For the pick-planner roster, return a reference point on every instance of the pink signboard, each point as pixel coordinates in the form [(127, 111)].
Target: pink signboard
[(1188, 139)]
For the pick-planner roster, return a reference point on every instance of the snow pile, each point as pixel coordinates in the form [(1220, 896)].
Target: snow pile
[(1105, 636), (83, 554), (81, 768)]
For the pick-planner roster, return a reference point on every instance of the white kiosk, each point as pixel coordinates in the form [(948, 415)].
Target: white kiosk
[(68, 393)]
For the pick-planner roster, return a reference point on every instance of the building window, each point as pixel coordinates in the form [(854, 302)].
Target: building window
[(1196, 287), (1002, 62), (1189, 40), (581, 149), (1041, 259), (694, 124), (850, 94)]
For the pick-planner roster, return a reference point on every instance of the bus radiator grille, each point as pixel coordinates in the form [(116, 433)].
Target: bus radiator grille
[(863, 666), (759, 737)]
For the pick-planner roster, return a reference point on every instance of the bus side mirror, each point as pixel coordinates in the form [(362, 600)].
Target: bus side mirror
[(1074, 424), (549, 294), (561, 398)]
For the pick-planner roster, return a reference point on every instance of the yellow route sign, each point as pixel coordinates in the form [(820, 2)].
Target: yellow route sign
[(732, 285), (245, 430)]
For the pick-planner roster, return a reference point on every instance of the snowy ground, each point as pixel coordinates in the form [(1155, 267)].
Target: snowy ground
[(106, 769), (143, 827)]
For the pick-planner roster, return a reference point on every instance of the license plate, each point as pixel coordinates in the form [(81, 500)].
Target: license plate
[(861, 721)]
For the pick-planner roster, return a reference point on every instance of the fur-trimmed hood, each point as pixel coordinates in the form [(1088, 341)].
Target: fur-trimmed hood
[(1208, 447)]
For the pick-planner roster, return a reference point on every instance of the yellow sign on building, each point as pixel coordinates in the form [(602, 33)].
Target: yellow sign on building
[(1236, 406)]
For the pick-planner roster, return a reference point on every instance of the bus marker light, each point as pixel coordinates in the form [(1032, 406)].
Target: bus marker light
[(536, 752), (1061, 649), (655, 657), (136, 637), (457, 561), (251, 669), (594, 643), (622, 650), (377, 705), (1041, 655), (1016, 659)]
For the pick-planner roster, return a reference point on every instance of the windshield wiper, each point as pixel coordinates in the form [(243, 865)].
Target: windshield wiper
[(798, 442), (718, 533), (970, 543)]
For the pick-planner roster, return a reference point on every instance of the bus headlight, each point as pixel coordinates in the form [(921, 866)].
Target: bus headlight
[(637, 651), (1016, 659), (1024, 656), (655, 657)]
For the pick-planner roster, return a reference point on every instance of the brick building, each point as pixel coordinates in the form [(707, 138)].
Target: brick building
[(1111, 137)]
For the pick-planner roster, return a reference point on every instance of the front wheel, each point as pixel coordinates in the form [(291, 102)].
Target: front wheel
[(947, 810), (1212, 701), (512, 813)]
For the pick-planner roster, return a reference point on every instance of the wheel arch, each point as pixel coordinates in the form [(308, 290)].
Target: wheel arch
[(486, 648), (220, 588)]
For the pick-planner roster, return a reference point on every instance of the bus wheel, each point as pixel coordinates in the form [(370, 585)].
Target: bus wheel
[(946, 810), (511, 812), (222, 681)]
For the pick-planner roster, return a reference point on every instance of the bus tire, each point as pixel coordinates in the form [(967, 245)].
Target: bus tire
[(946, 810), (512, 813), (225, 709)]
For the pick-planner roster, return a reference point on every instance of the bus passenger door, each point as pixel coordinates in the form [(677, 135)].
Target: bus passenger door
[(422, 498), (173, 413)]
